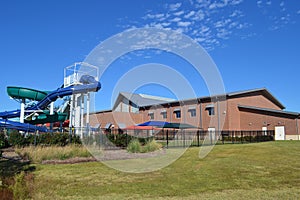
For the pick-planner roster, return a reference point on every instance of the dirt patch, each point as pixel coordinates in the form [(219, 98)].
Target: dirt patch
[(116, 154), (123, 155), (119, 154), (70, 160)]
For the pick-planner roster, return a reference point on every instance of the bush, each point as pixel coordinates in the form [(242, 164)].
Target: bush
[(134, 146), (20, 188), (59, 139), (3, 141), (151, 146), (119, 140), (17, 139)]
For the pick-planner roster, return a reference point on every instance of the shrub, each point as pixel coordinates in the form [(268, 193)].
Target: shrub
[(151, 146), (3, 141), (119, 140), (17, 139), (134, 146), (20, 188)]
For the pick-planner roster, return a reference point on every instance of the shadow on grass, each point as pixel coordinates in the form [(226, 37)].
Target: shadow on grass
[(9, 167)]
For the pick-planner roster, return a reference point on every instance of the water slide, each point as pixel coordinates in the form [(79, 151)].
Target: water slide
[(87, 84)]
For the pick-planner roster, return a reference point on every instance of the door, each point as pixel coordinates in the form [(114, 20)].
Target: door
[(264, 130), (212, 134), (279, 133)]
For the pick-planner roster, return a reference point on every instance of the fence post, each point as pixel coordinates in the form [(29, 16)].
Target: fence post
[(198, 139), (167, 138), (242, 135), (222, 135), (183, 132)]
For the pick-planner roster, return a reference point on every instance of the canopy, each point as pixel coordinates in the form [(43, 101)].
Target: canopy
[(179, 126), (139, 127), (162, 124), (154, 123)]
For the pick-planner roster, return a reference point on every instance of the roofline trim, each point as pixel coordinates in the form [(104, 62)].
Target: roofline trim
[(270, 110)]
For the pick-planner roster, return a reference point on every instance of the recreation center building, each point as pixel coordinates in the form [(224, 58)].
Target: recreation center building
[(248, 110)]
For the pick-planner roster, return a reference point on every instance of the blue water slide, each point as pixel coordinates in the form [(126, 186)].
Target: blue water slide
[(89, 84), (4, 123)]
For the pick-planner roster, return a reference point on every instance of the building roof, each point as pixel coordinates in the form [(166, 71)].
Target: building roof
[(263, 91), (267, 110), (142, 100)]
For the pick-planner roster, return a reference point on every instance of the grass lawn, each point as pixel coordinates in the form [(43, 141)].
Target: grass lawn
[(269, 170)]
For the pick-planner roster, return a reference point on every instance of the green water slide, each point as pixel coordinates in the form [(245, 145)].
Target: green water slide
[(45, 117), (35, 95), (26, 93)]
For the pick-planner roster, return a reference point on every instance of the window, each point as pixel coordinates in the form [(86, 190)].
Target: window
[(193, 112), (177, 113), (211, 111), (151, 115), (164, 114)]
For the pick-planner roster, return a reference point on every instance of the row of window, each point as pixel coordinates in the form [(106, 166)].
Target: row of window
[(177, 113)]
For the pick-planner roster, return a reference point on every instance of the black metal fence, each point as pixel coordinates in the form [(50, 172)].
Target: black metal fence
[(181, 138)]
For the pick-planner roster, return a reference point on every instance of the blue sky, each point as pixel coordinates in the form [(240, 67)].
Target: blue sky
[(253, 43)]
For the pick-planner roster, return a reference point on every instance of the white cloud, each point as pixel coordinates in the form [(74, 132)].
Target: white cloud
[(198, 16), (176, 19), (210, 22), (178, 13), (236, 2), (259, 3), (236, 13), (174, 7), (184, 24), (190, 14)]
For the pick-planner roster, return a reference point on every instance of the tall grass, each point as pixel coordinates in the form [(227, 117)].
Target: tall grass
[(40, 153), (151, 146), (135, 146)]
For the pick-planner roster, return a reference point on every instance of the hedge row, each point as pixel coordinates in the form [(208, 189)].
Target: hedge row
[(108, 139), (259, 138), (14, 138)]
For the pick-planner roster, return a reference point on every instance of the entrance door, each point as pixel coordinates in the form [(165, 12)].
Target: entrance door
[(212, 134), (264, 129), (279, 133)]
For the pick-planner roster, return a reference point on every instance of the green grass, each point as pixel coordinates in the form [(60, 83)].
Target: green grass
[(268, 170), (39, 153)]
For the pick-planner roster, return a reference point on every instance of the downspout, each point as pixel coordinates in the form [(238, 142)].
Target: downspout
[(183, 111), (297, 129), (200, 122), (170, 112), (218, 114), (219, 131)]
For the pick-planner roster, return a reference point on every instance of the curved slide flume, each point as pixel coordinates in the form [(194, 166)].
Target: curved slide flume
[(89, 84), (21, 126)]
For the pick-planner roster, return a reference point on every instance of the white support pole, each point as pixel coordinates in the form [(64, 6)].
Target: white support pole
[(81, 114), (71, 123), (51, 108), (22, 113), (87, 117), (51, 113)]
